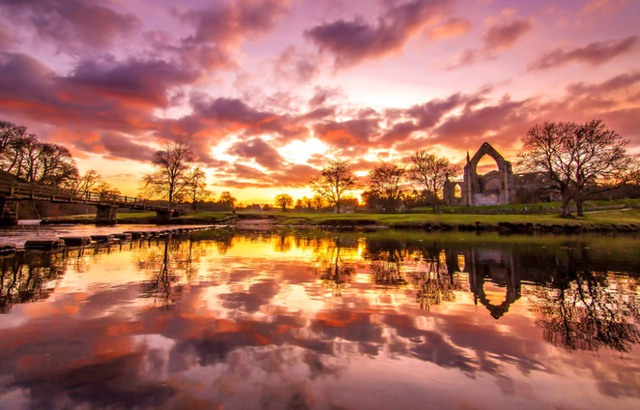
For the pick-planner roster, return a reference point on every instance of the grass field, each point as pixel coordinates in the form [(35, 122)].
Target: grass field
[(604, 215)]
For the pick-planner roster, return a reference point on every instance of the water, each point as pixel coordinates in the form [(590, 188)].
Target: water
[(322, 321)]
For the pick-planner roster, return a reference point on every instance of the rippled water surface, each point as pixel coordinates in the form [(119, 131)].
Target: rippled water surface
[(324, 321)]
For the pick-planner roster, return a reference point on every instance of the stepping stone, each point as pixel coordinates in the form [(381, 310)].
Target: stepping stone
[(44, 244), (136, 234), (125, 236), (7, 249), (102, 238), (76, 240)]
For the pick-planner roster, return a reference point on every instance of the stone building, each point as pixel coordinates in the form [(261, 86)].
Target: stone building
[(499, 187)]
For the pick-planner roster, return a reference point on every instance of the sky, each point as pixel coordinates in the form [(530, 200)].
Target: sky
[(267, 91)]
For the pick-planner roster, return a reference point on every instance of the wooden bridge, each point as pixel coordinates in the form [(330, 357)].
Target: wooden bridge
[(12, 191)]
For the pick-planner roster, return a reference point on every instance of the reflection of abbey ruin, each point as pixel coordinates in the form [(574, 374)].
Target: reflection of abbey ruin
[(496, 187)]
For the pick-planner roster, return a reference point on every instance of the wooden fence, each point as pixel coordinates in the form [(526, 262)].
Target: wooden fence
[(22, 190)]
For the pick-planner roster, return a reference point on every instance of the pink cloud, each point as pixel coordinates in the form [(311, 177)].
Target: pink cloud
[(503, 34), (595, 53), (453, 27)]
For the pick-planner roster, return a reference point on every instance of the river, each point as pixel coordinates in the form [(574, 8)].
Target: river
[(324, 320)]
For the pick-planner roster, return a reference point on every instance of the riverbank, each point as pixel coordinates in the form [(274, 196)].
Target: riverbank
[(619, 220)]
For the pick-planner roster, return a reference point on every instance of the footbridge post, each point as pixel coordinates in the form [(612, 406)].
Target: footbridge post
[(106, 214), (9, 211)]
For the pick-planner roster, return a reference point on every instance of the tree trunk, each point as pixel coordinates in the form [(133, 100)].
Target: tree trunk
[(566, 198), (579, 202)]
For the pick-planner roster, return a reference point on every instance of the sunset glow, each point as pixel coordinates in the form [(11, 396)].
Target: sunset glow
[(265, 91)]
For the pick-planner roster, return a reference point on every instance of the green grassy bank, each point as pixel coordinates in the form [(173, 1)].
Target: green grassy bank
[(620, 220)]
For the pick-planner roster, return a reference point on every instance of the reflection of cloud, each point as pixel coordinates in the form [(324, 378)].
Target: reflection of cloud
[(261, 330)]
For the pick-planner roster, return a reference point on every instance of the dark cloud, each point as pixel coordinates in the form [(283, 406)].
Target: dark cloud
[(258, 150), (595, 53), (236, 115), (123, 146), (147, 81), (503, 34), (424, 115), (72, 23), (356, 40)]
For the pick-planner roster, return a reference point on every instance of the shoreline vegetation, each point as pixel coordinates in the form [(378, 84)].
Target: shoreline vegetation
[(601, 216)]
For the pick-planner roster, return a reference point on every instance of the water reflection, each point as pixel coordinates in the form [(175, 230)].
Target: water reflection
[(28, 277), (322, 320)]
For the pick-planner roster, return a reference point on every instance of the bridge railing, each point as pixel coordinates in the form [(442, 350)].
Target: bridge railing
[(23, 190)]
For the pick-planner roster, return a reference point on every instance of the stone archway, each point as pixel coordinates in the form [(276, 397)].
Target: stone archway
[(494, 188)]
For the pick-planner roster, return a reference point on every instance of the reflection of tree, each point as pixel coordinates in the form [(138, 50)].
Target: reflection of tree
[(170, 262), (387, 264), (591, 311), (283, 243), (27, 277), (435, 284), (334, 269)]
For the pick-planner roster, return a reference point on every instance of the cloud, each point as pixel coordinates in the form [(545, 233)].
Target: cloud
[(147, 81), (453, 27), (354, 41), (478, 124), (73, 24), (235, 115), (6, 39), (348, 134), (621, 82), (502, 35), (422, 117), (598, 6), (292, 65), (595, 53), (258, 150)]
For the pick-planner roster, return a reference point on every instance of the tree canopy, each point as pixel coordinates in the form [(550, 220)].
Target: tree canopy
[(284, 201), (170, 181), (576, 157), (335, 182), (431, 171)]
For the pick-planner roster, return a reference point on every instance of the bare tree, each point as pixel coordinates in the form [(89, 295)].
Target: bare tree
[(385, 183), (170, 180), (577, 158), (284, 201), (87, 182), (335, 182), (197, 186), (9, 132), (431, 171)]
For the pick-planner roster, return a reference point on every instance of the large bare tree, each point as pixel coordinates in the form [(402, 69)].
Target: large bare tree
[(579, 159), (431, 171), (335, 182), (170, 180), (385, 183)]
